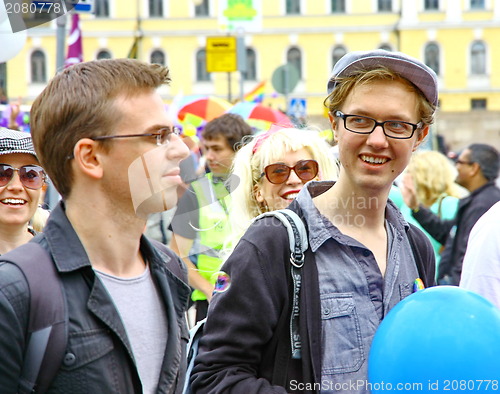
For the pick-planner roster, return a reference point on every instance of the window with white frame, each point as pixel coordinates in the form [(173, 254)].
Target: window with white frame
[(337, 53), (251, 71), (478, 58), (157, 57), (155, 8), (103, 54), (477, 5), (38, 67), (431, 57), (431, 5), (201, 8), (292, 7), (384, 5), (201, 66), (101, 8), (337, 6), (294, 57)]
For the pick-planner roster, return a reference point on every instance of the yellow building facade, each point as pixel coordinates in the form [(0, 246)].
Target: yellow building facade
[(457, 38)]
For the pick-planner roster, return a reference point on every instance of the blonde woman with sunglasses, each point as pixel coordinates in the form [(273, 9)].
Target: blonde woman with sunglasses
[(271, 169), (21, 181)]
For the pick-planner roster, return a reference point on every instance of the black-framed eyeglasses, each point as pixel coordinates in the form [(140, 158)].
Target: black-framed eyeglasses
[(31, 176), (392, 128), (278, 173), (162, 136), (468, 163)]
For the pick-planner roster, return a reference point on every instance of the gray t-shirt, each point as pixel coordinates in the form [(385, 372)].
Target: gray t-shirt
[(143, 315)]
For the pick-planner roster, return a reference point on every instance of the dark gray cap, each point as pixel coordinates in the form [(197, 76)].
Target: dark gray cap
[(422, 76), (13, 141)]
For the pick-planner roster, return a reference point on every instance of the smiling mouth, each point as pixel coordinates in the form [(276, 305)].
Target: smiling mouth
[(374, 160), (13, 201)]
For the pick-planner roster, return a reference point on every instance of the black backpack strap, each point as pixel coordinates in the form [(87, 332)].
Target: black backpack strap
[(425, 267), (47, 326), (289, 346)]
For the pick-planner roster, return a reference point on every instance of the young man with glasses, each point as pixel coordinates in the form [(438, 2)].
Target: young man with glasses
[(360, 262), (101, 132), (477, 168)]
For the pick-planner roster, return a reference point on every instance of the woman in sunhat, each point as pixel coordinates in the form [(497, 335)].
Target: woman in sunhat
[(21, 181)]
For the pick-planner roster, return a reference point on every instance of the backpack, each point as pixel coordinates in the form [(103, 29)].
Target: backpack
[(48, 320), (47, 323), (297, 236)]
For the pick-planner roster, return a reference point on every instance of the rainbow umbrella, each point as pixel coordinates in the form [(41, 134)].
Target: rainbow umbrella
[(198, 109), (260, 116)]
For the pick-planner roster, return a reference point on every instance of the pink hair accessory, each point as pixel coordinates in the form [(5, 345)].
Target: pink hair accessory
[(261, 138)]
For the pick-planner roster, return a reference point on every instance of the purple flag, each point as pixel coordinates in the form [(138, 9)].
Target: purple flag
[(75, 53)]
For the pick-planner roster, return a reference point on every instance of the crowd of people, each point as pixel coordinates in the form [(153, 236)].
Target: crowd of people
[(383, 219)]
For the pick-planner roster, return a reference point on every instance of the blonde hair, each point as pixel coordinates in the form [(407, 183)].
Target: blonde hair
[(434, 176), (39, 219), (250, 161)]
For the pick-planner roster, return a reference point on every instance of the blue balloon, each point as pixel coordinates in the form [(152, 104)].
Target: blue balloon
[(441, 339)]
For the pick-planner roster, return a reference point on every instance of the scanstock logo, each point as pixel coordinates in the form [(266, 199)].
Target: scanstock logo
[(25, 14)]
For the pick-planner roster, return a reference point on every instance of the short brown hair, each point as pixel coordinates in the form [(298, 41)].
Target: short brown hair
[(79, 102), (362, 76), (231, 127)]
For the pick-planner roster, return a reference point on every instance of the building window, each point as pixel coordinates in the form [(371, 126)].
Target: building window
[(431, 5), (337, 53), (478, 104), (384, 5), (157, 57), (101, 8), (478, 58), (201, 66), (103, 54), (38, 67), (293, 7), (477, 5), (432, 57), (202, 8), (294, 57), (251, 72), (155, 8), (338, 6)]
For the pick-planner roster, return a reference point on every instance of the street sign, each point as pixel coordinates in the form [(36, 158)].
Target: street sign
[(285, 78), (83, 6), (297, 108), (221, 54)]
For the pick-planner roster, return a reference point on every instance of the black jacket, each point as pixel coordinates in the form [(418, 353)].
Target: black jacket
[(454, 234), (254, 323), (101, 356)]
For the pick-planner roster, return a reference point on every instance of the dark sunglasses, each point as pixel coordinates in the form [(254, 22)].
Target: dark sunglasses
[(278, 173), (31, 176)]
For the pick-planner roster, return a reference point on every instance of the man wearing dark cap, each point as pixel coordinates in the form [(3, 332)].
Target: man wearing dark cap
[(363, 257)]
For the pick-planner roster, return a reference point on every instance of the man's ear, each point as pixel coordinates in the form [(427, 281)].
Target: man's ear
[(87, 157), (333, 124), (421, 137)]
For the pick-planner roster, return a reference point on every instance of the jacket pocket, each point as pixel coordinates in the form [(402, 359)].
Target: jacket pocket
[(85, 347), (343, 349)]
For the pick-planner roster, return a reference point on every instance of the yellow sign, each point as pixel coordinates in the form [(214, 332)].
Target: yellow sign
[(221, 54)]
